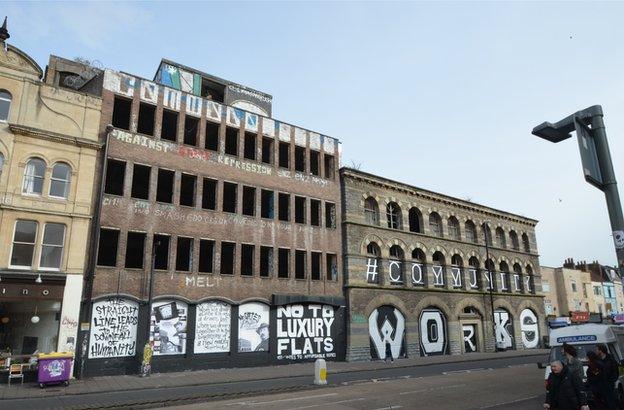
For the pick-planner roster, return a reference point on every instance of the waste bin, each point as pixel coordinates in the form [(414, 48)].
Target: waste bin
[(54, 368)]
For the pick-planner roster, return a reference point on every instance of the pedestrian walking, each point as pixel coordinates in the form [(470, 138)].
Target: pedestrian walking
[(564, 391), (596, 381), (612, 373), (574, 365)]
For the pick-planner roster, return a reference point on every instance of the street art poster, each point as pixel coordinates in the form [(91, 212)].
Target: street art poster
[(432, 328), (253, 327), (395, 272), (386, 327), (470, 338), (306, 332), (529, 329), (372, 270), (504, 329), (168, 327), (113, 328), (212, 327)]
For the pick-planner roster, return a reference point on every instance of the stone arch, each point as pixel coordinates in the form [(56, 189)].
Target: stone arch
[(72, 164), (503, 258), (501, 303), (528, 304), (431, 301), (386, 299), (440, 249), (469, 301), (420, 246), (368, 239)]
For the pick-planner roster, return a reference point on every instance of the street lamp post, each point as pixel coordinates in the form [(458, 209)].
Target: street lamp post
[(490, 279)]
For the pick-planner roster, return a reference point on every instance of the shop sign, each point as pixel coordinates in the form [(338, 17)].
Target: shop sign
[(579, 317), (26, 292)]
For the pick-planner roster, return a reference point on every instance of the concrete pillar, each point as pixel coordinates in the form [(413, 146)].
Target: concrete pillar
[(70, 315)]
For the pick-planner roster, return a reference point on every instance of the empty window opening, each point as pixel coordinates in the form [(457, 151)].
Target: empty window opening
[(315, 169), (169, 126), (211, 90), (121, 112), (247, 260), (315, 212), (284, 154), (231, 141), (300, 210), (284, 207), (140, 181), (267, 204), (250, 145), (184, 254), (147, 112), (135, 250), (191, 128), (330, 215), (329, 166), (115, 174), (161, 252), (229, 197), (164, 187), (206, 255), (283, 256), (415, 219), (188, 185), (212, 136), (331, 262), (107, 247), (249, 201), (316, 266), (209, 194), (300, 159), (266, 261), (227, 258), (300, 264), (267, 150)]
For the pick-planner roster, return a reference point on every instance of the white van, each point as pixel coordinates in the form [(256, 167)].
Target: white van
[(584, 338)]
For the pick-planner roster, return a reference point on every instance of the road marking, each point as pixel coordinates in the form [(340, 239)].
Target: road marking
[(326, 404), (431, 389), (508, 402), (258, 403), (390, 408), (521, 365), (465, 371)]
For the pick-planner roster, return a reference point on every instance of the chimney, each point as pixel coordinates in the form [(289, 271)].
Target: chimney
[(568, 263)]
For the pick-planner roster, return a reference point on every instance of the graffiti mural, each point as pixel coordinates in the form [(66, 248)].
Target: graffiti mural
[(306, 332), (253, 327), (212, 327), (386, 327), (113, 328), (504, 329), (470, 338), (529, 329), (168, 327), (432, 328)]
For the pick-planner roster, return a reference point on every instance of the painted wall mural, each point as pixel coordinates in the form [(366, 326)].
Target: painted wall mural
[(470, 338), (529, 328), (306, 332), (253, 327), (212, 327), (504, 329), (168, 327), (386, 327), (113, 328), (432, 329)]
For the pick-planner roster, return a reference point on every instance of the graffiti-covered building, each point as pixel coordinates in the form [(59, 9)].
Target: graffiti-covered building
[(226, 216), (420, 280)]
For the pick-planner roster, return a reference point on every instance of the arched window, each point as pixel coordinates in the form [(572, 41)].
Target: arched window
[(438, 258), (396, 252), (529, 279), (500, 238), (487, 233), (372, 249), (453, 228), (371, 211), (470, 231), (59, 183), (415, 220), (473, 262), (525, 243), (505, 282), (515, 244), (456, 260), (395, 267), (517, 269), (474, 277), (435, 224), (5, 105), (393, 213), (33, 177), (489, 265), (418, 255)]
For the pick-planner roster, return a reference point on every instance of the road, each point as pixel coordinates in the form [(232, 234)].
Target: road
[(511, 378), (516, 387)]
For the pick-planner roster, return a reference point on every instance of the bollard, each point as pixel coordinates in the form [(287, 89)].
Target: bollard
[(320, 372)]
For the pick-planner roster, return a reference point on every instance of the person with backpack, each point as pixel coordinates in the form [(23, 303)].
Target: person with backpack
[(612, 373)]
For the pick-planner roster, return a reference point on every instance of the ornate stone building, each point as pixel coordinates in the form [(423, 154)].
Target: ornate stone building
[(420, 280)]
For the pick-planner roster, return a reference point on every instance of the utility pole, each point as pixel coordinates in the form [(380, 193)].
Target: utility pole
[(490, 280)]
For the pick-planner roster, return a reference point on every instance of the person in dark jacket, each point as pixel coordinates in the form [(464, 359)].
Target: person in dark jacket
[(612, 373), (574, 365), (565, 391), (596, 381)]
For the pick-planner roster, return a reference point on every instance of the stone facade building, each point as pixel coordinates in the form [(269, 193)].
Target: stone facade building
[(415, 273), (223, 217), (48, 151)]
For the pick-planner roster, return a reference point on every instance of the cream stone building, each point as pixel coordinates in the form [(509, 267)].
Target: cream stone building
[(48, 151), (549, 289)]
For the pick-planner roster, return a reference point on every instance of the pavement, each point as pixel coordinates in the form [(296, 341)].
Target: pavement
[(246, 376)]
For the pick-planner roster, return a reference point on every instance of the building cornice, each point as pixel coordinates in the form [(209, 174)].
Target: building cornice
[(54, 136)]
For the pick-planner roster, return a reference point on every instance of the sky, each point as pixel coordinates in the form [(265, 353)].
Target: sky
[(439, 95)]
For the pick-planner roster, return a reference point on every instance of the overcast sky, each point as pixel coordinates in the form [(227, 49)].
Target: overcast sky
[(439, 95)]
